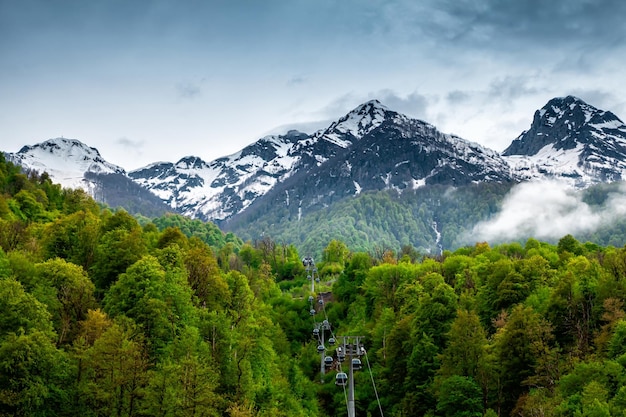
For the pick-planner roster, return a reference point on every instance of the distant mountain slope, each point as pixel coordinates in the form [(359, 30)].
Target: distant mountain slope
[(217, 190), (284, 185), (227, 186), (66, 161), (118, 191), (573, 140), (73, 164), (430, 218), (398, 154)]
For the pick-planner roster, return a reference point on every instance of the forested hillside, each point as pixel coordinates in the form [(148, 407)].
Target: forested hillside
[(430, 219), (379, 220), (102, 314)]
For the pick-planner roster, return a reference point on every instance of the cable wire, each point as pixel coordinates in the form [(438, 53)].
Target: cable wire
[(322, 328), (332, 333), (345, 393), (374, 384)]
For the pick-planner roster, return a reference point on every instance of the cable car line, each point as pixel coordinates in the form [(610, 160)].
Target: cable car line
[(341, 379), (351, 347), (373, 384)]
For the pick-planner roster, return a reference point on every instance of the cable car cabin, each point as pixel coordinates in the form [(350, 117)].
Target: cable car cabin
[(356, 364), (321, 348), (341, 356), (341, 379), (316, 332), (328, 361), (331, 341), (312, 311)]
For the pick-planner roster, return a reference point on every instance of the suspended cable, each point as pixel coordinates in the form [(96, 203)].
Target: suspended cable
[(374, 384), (332, 333), (345, 393)]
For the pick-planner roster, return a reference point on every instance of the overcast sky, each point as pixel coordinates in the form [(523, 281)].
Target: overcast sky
[(147, 81)]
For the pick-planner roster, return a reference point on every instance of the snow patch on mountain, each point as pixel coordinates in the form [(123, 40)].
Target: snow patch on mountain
[(227, 185), (418, 183), (572, 141), (552, 163), (370, 148), (66, 161), (357, 188), (359, 122)]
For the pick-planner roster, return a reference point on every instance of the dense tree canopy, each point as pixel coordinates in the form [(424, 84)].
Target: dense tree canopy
[(103, 314)]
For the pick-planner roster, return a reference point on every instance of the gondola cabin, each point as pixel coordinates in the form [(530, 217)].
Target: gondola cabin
[(341, 379)]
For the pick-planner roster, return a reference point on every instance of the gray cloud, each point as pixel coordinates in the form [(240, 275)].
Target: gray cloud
[(552, 23), (131, 148), (597, 98), (562, 212), (413, 104), (511, 87), (130, 143), (340, 105), (306, 127), (297, 80), (492, 107), (503, 90), (458, 97), (188, 90), (472, 67)]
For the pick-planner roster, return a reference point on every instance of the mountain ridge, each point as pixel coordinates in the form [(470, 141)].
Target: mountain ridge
[(370, 148), (572, 140), (53, 156)]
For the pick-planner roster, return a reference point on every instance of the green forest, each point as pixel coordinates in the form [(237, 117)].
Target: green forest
[(375, 221), (107, 314)]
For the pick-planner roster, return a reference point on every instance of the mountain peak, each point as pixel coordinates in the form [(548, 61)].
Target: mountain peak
[(61, 144), (370, 106), (368, 112), (573, 139), (65, 160), (557, 124), (357, 123), (567, 106), (190, 162), (67, 152), (568, 100)]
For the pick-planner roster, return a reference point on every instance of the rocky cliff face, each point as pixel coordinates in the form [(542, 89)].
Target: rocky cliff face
[(572, 140), (370, 148)]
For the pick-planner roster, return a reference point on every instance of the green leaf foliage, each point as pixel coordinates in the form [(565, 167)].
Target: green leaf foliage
[(102, 314)]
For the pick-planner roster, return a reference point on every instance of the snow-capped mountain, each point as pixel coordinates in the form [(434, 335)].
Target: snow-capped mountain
[(228, 185), (72, 164), (404, 153), (379, 149), (354, 125), (225, 186), (66, 161), (572, 140), (370, 148)]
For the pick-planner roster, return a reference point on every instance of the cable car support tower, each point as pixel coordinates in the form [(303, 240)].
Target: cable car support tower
[(350, 347)]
